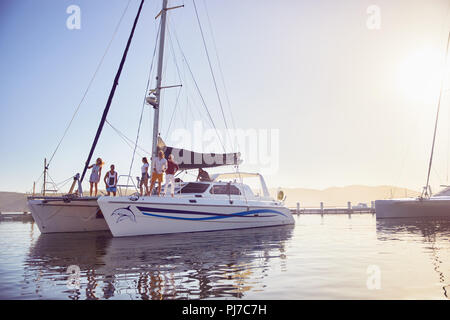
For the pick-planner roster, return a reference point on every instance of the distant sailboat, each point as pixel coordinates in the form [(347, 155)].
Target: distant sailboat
[(427, 205)]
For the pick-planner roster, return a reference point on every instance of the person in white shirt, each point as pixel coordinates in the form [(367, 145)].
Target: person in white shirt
[(159, 166), (144, 176)]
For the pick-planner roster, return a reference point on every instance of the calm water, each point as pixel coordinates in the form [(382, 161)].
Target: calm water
[(330, 257)]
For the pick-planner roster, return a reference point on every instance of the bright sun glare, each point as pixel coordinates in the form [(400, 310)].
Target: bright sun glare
[(420, 75)]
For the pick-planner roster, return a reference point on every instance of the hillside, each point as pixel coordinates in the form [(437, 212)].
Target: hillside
[(13, 202)]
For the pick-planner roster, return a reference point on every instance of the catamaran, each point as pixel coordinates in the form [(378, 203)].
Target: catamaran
[(73, 212), (224, 202), (197, 206)]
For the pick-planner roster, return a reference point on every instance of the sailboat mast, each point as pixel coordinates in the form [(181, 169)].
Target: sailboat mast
[(426, 188), (111, 96), (162, 38), (45, 177)]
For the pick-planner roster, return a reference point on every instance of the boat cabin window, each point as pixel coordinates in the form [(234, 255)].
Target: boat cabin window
[(225, 189), (194, 187)]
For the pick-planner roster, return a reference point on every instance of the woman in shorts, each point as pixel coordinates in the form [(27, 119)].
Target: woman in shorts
[(144, 176), (95, 175)]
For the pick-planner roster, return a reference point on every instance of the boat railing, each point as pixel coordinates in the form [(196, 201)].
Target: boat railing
[(129, 178)]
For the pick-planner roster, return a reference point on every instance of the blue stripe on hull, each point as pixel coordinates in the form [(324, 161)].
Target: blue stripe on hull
[(212, 216)]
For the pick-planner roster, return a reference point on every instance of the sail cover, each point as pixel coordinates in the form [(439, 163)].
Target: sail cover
[(187, 160)]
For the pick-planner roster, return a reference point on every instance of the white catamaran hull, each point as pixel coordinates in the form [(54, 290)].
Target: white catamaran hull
[(413, 208), (53, 216), (153, 215)]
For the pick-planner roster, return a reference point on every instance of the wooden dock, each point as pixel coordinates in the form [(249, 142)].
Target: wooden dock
[(334, 210)]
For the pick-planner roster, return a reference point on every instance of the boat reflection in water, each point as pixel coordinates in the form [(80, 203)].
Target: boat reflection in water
[(433, 232), (221, 264)]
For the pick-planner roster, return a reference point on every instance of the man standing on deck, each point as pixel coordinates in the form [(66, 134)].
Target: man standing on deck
[(172, 168), (159, 165), (111, 181)]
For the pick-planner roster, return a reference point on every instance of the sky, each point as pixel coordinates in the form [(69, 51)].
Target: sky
[(346, 90)]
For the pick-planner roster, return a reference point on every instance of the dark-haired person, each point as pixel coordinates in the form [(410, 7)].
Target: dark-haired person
[(172, 168), (203, 175), (144, 176), (111, 181), (96, 173)]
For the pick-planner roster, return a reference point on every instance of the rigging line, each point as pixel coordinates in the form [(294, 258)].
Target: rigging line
[(128, 143), (181, 81), (173, 54), (90, 82), (437, 118), (163, 92), (60, 185), (173, 113), (195, 83), (233, 142), (210, 67), (126, 139), (121, 136), (143, 107), (64, 181), (181, 78), (52, 182), (220, 69), (39, 179), (198, 90)]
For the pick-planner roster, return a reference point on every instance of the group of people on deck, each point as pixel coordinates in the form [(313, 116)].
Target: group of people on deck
[(160, 167), (110, 178)]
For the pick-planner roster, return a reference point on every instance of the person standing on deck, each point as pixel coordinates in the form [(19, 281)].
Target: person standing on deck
[(144, 176), (159, 165), (172, 168), (111, 181), (96, 173)]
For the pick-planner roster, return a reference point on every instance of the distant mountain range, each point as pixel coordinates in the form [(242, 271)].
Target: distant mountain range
[(331, 197)]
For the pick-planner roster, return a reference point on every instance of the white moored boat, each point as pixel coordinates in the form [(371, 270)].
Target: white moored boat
[(74, 212), (435, 206), (53, 214), (426, 206), (197, 206)]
